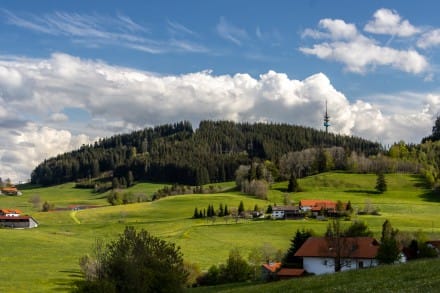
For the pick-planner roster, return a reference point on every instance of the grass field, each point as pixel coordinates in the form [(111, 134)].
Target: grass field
[(45, 259), (417, 276)]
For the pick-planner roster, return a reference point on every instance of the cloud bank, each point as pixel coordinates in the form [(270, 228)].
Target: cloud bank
[(49, 106)]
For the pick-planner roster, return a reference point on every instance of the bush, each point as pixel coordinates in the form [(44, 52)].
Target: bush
[(136, 262)]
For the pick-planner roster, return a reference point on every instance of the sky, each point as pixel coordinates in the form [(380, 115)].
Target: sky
[(72, 72)]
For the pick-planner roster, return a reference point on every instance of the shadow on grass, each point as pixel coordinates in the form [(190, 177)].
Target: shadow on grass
[(431, 196), (281, 189), (363, 191), (69, 282)]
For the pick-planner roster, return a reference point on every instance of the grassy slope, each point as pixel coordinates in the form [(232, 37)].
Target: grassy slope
[(418, 276), (46, 258)]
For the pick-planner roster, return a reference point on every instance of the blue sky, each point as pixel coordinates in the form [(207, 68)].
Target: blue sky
[(73, 71)]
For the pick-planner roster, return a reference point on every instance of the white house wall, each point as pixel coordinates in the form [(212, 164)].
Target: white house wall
[(319, 266)]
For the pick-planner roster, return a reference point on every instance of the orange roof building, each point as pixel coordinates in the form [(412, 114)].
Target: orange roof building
[(10, 190), (10, 212)]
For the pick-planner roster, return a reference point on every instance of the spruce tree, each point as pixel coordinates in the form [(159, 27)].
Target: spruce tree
[(221, 211), (290, 260), (241, 208), (388, 252), (293, 184), (196, 213), (381, 184)]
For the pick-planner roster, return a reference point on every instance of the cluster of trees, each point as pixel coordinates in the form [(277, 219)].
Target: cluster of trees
[(239, 269), (118, 197), (222, 211), (254, 179), (177, 189), (211, 212), (177, 153)]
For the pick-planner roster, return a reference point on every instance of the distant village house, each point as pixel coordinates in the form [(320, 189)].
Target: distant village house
[(286, 212)]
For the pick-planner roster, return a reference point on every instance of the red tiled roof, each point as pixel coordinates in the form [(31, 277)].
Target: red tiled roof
[(317, 203), (285, 272), (9, 189), (353, 247), (10, 211), (272, 267)]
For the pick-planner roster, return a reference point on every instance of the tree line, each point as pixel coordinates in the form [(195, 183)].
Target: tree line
[(178, 153)]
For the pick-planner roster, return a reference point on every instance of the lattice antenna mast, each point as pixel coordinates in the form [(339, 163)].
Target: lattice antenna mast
[(326, 119)]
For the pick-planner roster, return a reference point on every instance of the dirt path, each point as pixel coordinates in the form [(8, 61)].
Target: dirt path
[(73, 216)]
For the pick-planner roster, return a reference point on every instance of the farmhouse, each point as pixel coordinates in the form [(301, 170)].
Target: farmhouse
[(12, 218), (10, 190), (319, 254), (18, 222), (286, 212)]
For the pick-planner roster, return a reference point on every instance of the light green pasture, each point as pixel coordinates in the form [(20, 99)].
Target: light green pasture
[(45, 259)]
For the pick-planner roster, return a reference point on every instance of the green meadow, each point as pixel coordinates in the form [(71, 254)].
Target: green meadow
[(45, 259)]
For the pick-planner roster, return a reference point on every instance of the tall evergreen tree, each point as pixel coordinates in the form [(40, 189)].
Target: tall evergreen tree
[(293, 183), (388, 252), (290, 260), (381, 184), (241, 208)]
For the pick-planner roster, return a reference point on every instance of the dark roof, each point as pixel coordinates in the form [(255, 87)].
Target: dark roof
[(434, 243), (285, 208), (352, 247)]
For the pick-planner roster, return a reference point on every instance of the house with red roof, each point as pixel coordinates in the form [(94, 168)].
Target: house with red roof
[(9, 190), (269, 270), (13, 218), (317, 205), (319, 254)]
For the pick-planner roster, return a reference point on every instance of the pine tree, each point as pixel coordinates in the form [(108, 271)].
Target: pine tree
[(196, 214), (226, 211), (221, 211), (293, 184), (241, 208), (381, 184), (388, 252), (290, 260), (269, 209)]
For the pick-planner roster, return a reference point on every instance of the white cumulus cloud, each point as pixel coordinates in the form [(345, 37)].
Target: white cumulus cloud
[(342, 42), (389, 22)]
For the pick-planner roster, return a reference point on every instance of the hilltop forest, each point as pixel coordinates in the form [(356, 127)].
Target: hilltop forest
[(177, 153)]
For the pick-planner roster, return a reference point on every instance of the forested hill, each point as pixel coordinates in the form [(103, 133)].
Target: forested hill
[(178, 153)]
